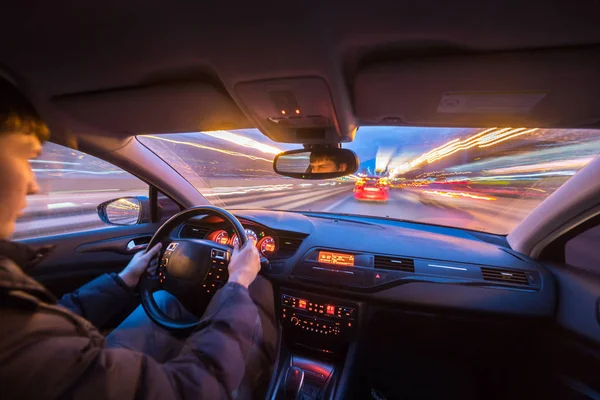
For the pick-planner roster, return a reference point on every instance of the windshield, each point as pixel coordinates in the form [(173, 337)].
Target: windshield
[(481, 179)]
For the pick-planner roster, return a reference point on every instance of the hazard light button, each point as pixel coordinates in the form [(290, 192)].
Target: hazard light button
[(380, 277)]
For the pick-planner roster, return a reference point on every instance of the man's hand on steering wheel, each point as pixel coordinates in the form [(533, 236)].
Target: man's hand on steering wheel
[(141, 261), (244, 264)]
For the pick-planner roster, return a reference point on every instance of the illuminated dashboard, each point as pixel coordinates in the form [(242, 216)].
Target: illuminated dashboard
[(389, 261), (264, 241)]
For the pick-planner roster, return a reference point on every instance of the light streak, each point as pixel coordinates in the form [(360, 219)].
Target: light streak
[(468, 143), (576, 163), (486, 138), (77, 171), (37, 161), (459, 194), (53, 206), (243, 141), (200, 146), (523, 176), (508, 137)]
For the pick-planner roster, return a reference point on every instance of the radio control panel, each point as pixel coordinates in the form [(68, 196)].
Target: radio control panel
[(317, 317)]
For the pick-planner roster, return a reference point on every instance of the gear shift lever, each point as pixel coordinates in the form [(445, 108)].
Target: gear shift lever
[(293, 383)]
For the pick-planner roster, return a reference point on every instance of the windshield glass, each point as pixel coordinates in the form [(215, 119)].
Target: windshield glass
[(481, 179)]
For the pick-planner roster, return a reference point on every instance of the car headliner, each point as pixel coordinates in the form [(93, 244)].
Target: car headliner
[(64, 54)]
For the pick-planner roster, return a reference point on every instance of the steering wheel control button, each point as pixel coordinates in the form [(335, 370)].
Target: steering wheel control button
[(217, 274), (172, 246), (219, 255)]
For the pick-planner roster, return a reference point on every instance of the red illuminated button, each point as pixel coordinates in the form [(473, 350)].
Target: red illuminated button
[(302, 304), (330, 309)]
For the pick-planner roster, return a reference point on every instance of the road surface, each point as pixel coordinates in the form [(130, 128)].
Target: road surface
[(68, 212)]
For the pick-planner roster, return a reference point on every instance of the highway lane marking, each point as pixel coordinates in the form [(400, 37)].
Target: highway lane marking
[(84, 191), (248, 199), (301, 203), (337, 203), (54, 206), (297, 200)]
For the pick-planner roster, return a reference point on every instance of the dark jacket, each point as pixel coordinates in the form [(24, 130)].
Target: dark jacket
[(50, 351)]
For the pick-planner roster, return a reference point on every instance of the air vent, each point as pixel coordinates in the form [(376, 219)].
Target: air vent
[(276, 267), (504, 275), (191, 231), (288, 246), (395, 263)]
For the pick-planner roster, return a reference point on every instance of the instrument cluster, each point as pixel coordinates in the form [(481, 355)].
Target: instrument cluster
[(265, 243)]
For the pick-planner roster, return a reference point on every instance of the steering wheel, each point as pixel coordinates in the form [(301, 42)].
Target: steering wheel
[(187, 265)]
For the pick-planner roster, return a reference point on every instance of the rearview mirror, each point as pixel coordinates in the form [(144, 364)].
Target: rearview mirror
[(316, 164), (125, 211)]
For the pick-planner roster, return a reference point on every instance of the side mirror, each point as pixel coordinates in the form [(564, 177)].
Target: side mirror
[(125, 211), (316, 164)]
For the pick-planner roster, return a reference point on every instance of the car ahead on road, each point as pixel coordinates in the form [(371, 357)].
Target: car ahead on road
[(372, 189), (188, 105)]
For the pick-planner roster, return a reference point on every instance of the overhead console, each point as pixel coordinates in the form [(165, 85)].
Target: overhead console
[(295, 110)]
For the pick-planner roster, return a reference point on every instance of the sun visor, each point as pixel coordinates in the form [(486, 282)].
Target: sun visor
[(294, 110), (165, 108), (544, 88)]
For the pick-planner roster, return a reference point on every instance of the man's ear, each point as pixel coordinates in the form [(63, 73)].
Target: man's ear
[(343, 167)]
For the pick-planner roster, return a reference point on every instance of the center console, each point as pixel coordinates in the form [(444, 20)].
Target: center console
[(318, 333)]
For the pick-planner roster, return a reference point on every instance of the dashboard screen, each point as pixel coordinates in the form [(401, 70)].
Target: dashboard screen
[(328, 257)]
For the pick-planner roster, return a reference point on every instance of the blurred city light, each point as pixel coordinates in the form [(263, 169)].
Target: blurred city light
[(201, 146), (486, 138), (243, 141), (458, 195), (574, 164)]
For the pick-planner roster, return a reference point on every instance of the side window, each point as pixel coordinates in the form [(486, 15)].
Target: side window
[(583, 250), (72, 185)]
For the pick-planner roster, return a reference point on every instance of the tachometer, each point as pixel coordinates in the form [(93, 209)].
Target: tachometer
[(219, 236), (267, 246), (249, 233)]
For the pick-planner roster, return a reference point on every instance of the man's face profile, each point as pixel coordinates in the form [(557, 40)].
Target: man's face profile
[(323, 165)]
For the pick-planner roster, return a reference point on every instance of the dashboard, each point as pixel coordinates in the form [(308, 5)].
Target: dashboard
[(271, 243), (266, 244), (380, 260)]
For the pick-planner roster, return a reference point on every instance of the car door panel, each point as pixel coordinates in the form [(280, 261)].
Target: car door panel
[(79, 257), (575, 343)]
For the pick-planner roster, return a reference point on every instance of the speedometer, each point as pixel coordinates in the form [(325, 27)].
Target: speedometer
[(267, 246), (219, 236), (249, 233)]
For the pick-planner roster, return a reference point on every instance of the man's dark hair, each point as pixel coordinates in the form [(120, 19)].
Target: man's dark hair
[(17, 114), (325, 155)]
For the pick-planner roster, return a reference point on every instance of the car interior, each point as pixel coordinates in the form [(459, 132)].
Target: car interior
[(368, 307)]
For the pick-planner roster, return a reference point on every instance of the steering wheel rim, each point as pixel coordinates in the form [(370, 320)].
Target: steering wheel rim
[(148, 284)]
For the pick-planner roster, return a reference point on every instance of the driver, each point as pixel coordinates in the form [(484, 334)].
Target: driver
[(53, 349), (323, 162)]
